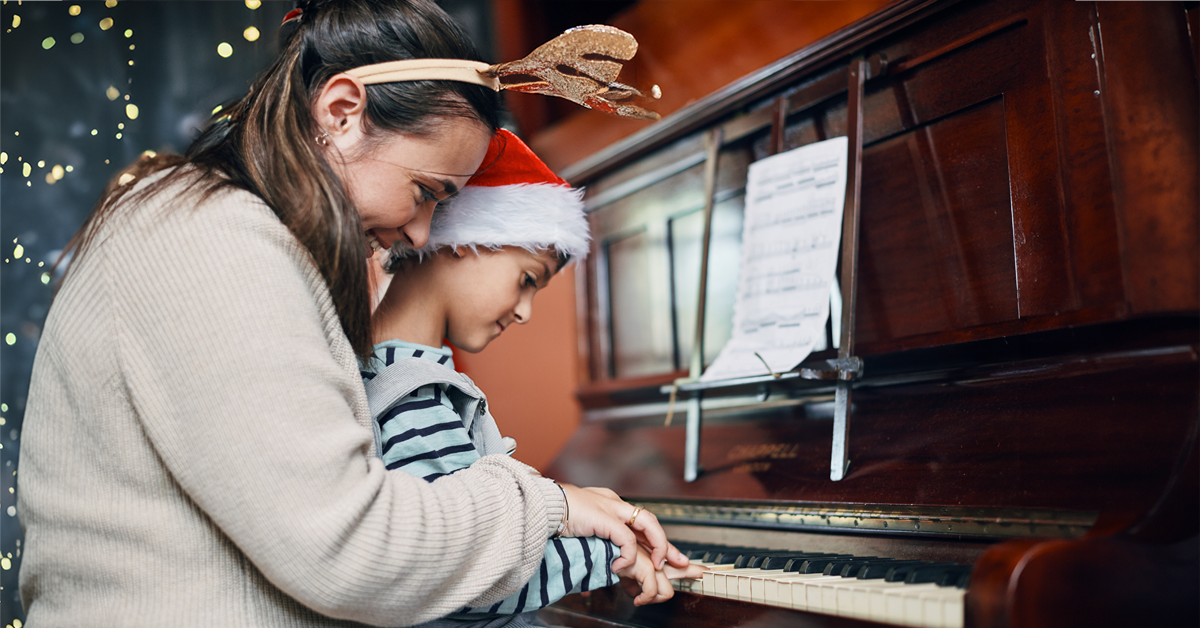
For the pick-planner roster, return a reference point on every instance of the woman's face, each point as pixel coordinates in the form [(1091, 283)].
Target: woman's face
[(396, 183)]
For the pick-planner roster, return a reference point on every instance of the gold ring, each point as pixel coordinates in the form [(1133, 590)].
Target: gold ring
[(636, 511)]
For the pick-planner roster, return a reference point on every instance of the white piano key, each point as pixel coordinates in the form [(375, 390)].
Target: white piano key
[(804, 595), (750, 580), (860, 595)]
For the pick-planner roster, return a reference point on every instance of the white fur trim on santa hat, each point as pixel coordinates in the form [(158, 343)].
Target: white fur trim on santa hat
[(534, 217)]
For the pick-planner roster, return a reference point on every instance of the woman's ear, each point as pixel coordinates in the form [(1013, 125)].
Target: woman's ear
[(339, 110)]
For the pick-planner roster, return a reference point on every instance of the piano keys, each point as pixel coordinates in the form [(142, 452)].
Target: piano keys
[(1028, 320), (900, 592)]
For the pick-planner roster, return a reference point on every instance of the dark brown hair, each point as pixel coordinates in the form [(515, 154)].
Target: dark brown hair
[(265, 142)]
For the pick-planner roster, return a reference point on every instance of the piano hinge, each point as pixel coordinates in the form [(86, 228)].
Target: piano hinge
[(982, 522)]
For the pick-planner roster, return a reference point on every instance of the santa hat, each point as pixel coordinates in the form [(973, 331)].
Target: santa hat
[(516, 201)]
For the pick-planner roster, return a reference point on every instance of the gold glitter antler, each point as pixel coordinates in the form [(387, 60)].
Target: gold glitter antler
[(580, 65)]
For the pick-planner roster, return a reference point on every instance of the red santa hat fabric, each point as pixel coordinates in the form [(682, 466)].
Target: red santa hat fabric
[(515, 201)]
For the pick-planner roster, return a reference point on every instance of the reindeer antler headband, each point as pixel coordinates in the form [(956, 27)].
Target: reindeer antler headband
[(592, 53)]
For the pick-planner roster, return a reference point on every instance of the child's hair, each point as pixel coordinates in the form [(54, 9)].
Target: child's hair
[(264, 143)]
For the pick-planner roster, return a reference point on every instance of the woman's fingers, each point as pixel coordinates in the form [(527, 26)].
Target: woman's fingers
[(652, 536)]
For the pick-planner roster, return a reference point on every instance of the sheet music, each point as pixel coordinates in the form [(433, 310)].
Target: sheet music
[(790, 238)]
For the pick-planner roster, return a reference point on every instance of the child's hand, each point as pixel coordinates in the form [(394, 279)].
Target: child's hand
[(654, 586)]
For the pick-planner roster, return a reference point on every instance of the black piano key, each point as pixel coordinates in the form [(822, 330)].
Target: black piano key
[(754, 559), (781, 562), (936, 574), (964, 580), (878, 569), (900, 572), (802, 565), (837, 567), (818, 565)]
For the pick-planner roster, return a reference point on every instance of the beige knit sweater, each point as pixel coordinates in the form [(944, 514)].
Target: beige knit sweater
[(197, 448)]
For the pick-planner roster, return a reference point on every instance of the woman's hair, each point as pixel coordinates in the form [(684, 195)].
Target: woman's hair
[(265, 143)]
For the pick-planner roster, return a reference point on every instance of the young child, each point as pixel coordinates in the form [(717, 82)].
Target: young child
[(491, 248)]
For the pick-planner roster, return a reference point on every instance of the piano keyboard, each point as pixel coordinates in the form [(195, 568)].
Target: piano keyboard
[(887, 590)]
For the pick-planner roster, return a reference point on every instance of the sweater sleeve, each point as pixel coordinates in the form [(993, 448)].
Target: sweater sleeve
[(246, 388)]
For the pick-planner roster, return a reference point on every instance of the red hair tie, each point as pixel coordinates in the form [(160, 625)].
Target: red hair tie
[(292, 15)]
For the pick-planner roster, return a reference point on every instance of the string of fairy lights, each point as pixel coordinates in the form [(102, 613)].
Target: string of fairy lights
[(18, 167)]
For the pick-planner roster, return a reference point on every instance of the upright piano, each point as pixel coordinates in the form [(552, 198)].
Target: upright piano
[(1007, 404)]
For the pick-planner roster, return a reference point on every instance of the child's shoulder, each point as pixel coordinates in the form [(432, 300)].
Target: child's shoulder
[(386, 353)]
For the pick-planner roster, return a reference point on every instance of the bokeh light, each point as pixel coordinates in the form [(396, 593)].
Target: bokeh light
[(77, 38), (224, 49), (48, 43), (106, 23), (131, 110), (251, 34)]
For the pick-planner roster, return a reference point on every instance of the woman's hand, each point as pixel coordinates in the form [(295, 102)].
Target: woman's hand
[(599, 512)]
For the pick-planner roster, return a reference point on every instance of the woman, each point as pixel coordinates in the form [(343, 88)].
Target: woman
[(197, 446)]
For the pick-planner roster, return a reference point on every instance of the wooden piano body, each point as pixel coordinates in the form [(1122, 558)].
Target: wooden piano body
[(1028, 292)]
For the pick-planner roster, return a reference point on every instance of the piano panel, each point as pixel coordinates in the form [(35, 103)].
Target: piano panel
[(1053, 432), (938, 199)]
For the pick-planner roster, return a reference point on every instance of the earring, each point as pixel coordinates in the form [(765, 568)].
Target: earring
[(323, 139)]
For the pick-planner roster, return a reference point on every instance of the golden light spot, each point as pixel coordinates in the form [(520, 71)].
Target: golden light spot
[(16, 623), (112, 93), (120, 125), (1, 170), (218, 108), (95, 131), (48, 43), (105, 161), (27, 260), (26, 169), (128, 33), (10, 338), (74, 10), (251, 34), (45, 278), (126, 96), (131, 62), (106, 23), (16, 21), (41, 163), (50, 180), (16, 132), (110, 3), (57, 171), (19, 251), (77, 38), (3, 407), (3, 157), (224, 49), (6, 564), (253, 4), (40, 264), (148, 153), (125, 178), (70, 168), (131, 110), (118, 136), (131, 46)]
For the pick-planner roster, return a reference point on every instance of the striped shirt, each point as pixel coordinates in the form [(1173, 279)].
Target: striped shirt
[(423, 435)]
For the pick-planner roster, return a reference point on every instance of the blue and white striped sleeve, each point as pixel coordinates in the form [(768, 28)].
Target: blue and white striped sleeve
[(424, 436), (570, 565)]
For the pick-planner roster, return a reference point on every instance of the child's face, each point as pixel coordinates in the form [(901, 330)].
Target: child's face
[(486, 293)]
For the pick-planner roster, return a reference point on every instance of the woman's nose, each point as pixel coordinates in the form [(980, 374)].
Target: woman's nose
[(417, 229)]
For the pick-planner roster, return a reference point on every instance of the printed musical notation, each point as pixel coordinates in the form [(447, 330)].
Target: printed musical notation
[(790, 238)]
